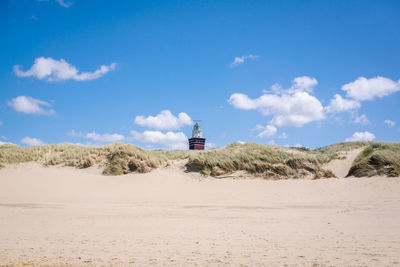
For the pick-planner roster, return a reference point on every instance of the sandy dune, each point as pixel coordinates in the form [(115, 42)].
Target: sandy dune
[(64, 216), (341, 167)]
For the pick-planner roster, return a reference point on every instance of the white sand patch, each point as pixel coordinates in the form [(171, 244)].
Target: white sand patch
[(341, 167)]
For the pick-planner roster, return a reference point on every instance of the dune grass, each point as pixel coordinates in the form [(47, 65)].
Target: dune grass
[(256, 159), (116, 158), (377, 159), (334, 151), (260, 160)]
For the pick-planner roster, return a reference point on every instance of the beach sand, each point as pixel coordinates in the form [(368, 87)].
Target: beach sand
[(64, 216)]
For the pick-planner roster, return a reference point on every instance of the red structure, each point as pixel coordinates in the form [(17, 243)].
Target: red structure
[(197, 142)]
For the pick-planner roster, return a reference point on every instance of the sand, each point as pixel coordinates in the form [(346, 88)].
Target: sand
[(341, 167), (63, 216)]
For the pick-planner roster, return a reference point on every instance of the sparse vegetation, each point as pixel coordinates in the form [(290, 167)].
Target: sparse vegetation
[(334, 151), (256, 159)]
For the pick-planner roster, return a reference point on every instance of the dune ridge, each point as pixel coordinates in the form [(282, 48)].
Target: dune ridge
[(252, 158), (377, 158)]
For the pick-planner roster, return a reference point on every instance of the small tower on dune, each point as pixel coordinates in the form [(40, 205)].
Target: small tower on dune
[(197, 142)]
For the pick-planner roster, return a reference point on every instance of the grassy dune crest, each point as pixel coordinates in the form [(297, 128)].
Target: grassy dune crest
[(116, 158), (261, 160), (377, 159), (256, 159)]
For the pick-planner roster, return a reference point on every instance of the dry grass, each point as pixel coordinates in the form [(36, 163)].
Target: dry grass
[(377, 159), (261, 160), (256, 159), (116, 158)]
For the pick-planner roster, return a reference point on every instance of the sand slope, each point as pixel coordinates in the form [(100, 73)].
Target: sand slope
[(341, 167), (64, 216)]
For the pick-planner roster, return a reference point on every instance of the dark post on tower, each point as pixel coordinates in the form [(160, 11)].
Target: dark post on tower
[(197, 142)]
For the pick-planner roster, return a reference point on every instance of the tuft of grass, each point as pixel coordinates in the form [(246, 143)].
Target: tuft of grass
[(377, 159)]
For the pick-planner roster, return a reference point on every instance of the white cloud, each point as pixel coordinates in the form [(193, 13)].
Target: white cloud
[(361, 136), (297, 145), (368, 89), (362, 119), (104, 138), (173, 140), (283, 136), (272, 143), (63, 3), (339, 104), (74, 133), (97, 138), (303, 84), (240, 60), (210, 145), (31, 141), (299, 84), (56, 70), (30, 105), (266, 131), (292, 107), (80, 144), (390, 123), (165, 120)]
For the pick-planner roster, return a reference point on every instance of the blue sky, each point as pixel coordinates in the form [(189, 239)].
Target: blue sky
[(307, 73)]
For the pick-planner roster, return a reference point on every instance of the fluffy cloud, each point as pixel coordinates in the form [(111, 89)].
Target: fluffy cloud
[(339, 104), (292, 107), (104, 138), (299, 84), (362, 119), (368, 89), (361, 136), (266, 131), (31, 141), (165, 120), (303, 83), (390, 123), (56, 70), (240, 60), (30, 105), (172, 140)]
